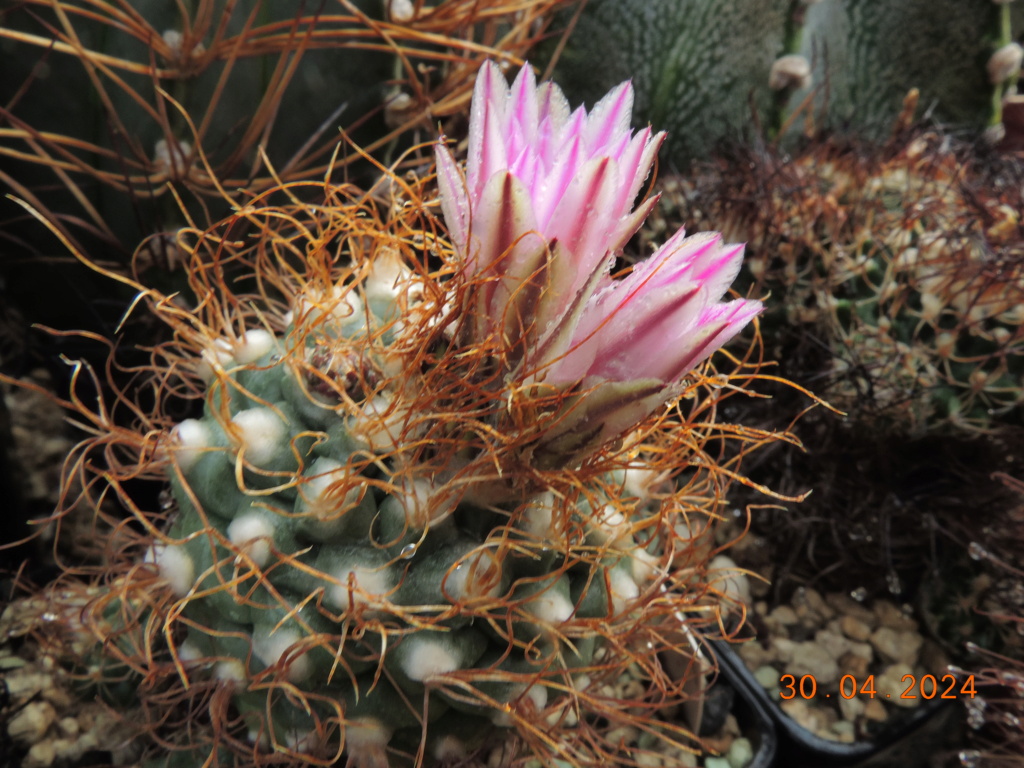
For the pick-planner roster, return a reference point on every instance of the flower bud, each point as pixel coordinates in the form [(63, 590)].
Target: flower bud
[(790, 72), (401, 11), (1005, 62)]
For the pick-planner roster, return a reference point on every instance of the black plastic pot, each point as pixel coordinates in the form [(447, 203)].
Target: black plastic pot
[(909, 743), (756, 723)]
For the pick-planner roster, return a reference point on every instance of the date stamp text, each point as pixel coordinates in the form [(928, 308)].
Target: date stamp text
[(927, 687)]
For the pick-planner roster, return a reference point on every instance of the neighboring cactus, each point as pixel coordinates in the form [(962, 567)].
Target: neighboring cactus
[(423, 500), (123, 121), (695, 64), (706, 70), (996, 716), (907, 267), (120, 106)]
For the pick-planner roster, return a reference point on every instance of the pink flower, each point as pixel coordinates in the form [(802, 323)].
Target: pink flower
[(537, 175), (545, 204)]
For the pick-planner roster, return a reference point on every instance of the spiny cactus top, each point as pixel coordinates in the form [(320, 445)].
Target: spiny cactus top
[(428, 494)]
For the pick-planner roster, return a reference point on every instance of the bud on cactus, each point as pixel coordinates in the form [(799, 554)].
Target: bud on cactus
[(790, 72), (1005, 62)]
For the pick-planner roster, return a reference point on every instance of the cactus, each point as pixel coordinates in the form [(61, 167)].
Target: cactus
[(391, 535), (123, 121), (715, 73), (694, 64), (905, 265)]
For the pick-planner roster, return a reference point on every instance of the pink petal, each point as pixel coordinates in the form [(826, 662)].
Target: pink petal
[(643, 165), (581, 222), (714, 328), (717, 270), (609, 119), (523, 113), (454, 197), (552, 116), (550, 190), (673, 260), (487, 151), (504, 247), (628, 225), (559, 323), (635, 163)]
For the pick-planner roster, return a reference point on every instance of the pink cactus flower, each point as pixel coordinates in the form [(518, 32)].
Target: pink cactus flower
[(543, 208)]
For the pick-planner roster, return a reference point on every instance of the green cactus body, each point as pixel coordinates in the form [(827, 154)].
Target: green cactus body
[(694, 64), (906, 267), (348, 581), (868, 55), (705, 71)]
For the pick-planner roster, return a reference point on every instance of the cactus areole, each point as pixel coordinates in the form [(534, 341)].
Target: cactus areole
[(422, 506)]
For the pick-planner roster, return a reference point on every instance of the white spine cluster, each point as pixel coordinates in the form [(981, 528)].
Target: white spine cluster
[(429, 659), (253, 345), (368, 586), (214, 359), (262, 433), (191, 438), (175, 567), (551, 607), (272, 646), (253, 533)]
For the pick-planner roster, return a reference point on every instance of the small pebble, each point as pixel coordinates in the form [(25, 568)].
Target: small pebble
[(767, 676), (754, 654), (716, 762), (875, 710), (845, 605), (731, 726), (784, 649), (741, 753), (32, 722), (851, 708), (812, 659), (852, 664), (891, 616), (895, 645), (844, 731), (41, 755), (68, 726), (854, 628), (783, 615), (864, 650), (835, 645), (891, 682)]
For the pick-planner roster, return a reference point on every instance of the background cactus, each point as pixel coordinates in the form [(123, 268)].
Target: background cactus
[(703, 70), (123, 121), (360, 554), (896, 278)]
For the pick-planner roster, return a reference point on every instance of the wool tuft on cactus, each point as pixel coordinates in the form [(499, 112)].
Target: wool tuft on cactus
[(430, 497)]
